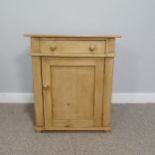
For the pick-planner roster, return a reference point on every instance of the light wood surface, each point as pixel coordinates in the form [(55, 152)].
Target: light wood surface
[(72, 78), (37, 85), (70, 36), (73, 92), (108, 77), (74, 55), (73, 47)]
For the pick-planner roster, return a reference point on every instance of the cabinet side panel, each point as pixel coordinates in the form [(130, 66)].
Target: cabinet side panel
[(107, 96), (108, 77), (37, 85)]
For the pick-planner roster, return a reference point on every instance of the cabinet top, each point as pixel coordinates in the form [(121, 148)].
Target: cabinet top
[(70, 36)]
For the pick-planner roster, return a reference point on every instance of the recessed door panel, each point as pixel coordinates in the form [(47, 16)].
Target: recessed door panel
[(72, 92)]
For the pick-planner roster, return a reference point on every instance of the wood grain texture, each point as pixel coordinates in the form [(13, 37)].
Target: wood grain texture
[(35, 45), (76, 82), (71, 36), (73, 47), (98, 90), (37, 88), (46, 93), (74, 97), (37, 84), (110, 46), (108, 78), (72, 81), (107, 92), (73, 55), (106, 129)]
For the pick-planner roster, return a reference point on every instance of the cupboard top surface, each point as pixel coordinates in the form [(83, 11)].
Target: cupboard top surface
[(71, 36)]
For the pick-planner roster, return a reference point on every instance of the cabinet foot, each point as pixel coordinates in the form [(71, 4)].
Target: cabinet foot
[(107, 129), (39, 129)]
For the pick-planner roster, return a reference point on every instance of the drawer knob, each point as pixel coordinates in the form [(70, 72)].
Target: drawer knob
[(92, 48), (53, 47)]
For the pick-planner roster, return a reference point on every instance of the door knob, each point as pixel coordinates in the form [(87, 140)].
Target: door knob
[(45, 86)]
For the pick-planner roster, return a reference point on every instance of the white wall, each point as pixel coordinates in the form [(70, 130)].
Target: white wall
[(133, 19)]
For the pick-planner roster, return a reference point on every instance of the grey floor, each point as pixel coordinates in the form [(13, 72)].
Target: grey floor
[(133, 134)]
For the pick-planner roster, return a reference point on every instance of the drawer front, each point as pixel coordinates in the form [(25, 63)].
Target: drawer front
[(73, 47)]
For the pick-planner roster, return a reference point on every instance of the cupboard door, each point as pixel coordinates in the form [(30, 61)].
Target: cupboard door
[(73, 92)]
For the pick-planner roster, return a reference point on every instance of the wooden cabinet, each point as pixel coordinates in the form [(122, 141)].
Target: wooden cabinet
[(72, 78)]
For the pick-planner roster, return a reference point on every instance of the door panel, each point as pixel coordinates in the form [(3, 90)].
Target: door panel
[(72, 88), (72, 92)]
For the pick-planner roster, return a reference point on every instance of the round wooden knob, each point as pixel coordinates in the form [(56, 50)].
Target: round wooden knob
[(45, 86), (53, 47), (92, 48)]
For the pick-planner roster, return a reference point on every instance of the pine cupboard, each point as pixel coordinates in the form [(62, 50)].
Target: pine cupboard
[(72, 78)]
